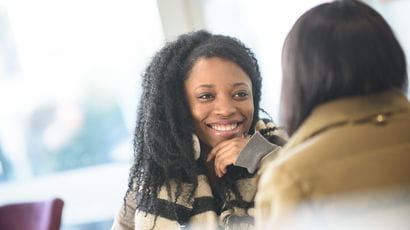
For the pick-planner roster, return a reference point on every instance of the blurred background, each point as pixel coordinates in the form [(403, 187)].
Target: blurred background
[(70, 82)]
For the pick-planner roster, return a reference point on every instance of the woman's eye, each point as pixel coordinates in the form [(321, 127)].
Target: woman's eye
[(241, 95), (205, 96)]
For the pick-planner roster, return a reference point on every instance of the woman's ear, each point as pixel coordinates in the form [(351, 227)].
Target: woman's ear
[(196, 146)]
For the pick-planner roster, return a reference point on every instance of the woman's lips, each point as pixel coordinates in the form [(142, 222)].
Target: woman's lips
[(220, 127), (225, 129)]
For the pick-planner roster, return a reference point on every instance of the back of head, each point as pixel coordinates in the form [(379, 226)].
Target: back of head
[(338, 49)]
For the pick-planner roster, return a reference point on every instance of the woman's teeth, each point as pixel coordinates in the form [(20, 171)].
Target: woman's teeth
[(225, 127)]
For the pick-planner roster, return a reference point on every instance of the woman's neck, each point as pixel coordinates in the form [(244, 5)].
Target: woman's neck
[(210, 168), (205, 149)]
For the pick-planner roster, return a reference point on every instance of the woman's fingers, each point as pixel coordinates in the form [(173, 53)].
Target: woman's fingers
[(226, 154), (221, 162), (216, 149)]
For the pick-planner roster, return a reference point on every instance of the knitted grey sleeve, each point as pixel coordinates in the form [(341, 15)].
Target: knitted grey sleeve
[(253, 152)]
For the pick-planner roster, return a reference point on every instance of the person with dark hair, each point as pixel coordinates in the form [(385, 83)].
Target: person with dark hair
[(343, 103), (198, 138)]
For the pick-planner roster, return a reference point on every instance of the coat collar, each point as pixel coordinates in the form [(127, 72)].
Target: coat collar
[(354, 109)]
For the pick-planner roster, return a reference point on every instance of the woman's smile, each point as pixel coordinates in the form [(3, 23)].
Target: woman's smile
[(225, 128)]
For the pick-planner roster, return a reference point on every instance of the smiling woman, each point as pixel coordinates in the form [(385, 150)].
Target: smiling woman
[(196, 146), (219, 95)]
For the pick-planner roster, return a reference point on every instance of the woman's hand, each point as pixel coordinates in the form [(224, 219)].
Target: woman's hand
[(226, 153)]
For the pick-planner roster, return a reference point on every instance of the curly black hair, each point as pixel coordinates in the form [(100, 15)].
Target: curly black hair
[(163, 146)]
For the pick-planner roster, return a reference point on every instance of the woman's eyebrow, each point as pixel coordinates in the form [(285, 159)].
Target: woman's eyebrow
[(205, 86), (240, 84)]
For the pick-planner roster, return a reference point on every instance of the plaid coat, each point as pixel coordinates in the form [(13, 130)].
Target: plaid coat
[(203, 212)]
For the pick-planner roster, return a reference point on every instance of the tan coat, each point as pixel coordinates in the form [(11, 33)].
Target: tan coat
[(347, 146)]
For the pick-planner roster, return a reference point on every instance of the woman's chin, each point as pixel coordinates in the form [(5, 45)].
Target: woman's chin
[(219, 139)]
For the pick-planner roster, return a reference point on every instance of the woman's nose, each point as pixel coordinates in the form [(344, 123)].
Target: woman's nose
[(224, 106)]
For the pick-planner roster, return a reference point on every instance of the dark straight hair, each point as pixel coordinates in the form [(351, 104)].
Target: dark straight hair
[(338, 49)]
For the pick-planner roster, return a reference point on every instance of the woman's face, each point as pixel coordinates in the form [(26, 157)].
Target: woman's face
[(219, 94)]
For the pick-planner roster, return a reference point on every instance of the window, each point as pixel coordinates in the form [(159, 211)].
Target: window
[(69, 78)]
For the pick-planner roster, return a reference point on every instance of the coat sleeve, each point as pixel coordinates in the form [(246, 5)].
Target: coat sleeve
[(146, 221), (125, 216), (263, 146), (129, 218), (256, 149)]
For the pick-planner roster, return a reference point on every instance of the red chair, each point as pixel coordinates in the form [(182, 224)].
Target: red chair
[(43, 215)]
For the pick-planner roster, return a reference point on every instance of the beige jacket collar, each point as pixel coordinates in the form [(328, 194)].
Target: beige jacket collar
[(357, 109)]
